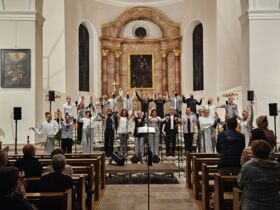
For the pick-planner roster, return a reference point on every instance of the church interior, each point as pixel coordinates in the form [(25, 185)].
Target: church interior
[(94, 72)]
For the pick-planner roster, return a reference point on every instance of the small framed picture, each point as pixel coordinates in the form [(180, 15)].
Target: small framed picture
[(15, 68)]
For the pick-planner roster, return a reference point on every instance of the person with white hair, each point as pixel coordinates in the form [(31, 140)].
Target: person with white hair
[(208, 142)]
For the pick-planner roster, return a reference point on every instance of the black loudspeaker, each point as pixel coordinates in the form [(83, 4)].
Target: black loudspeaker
[(156, 159), (273, 110), (134, 159), (51, 95), (250, 95), (17, 113), (118, 158)]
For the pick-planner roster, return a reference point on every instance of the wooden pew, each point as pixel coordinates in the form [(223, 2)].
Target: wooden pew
[(236, 198), (78, 180), (207, 184), (189, 157), (224, 191), (65, 197), (197, 173)]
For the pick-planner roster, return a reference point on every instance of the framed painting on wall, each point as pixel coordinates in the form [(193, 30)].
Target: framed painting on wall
[(141, 70), (15, 68)]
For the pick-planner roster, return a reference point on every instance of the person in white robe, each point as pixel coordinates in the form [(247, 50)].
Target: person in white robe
[(207, 142), (68, 107), (246, 123), (88, 131), (127, 101), (47, 131)]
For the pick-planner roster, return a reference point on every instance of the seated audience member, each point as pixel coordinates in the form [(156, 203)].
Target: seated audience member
[(259, 180), (262, 123), (12, 190), (4, 162), (230, 145), (247, 154), (28, 163), (68, 169), (55, 182)]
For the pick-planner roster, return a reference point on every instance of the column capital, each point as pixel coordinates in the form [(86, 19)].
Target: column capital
[(163, 53), (177, 52), (104, 52), (118, 53)]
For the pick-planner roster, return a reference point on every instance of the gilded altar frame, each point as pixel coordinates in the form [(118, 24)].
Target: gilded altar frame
[(144, 72)]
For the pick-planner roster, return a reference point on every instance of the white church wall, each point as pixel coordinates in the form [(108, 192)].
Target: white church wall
[(22, 31), (229, 51)]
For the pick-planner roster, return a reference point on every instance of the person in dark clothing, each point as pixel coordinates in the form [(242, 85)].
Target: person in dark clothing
[(138, 137), (109, 134), (262, 123), (55, 182), (159, 101), (230, 145), (12, 190), (171, 121), (28, 163), (191, 103), (145, 101)]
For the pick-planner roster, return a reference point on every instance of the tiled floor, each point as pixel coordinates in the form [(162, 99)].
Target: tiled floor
[(134, 197)]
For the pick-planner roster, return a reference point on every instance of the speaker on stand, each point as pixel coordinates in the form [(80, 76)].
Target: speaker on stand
[(273, 111), (51, 99), (17, 116)]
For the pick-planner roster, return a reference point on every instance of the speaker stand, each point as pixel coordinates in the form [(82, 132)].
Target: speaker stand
[(275, 130), (16, 137)]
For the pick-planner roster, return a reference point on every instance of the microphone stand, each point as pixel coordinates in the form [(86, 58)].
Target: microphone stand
[(76, 135), (90, 143), (149, 158)]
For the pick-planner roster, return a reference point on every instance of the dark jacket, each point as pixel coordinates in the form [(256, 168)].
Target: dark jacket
[(14, 201), (144, 103), (54, 182), (30, 165), (260, 184), (160, 107), (138, 124), (230, 145), (167, 123), (191, 103)]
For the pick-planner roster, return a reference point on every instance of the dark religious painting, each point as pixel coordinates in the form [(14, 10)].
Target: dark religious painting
[(83, 58), (15, 68), (141, 71), (198, 80)]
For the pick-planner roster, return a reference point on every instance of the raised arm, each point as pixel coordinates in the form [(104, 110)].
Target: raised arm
[(198, 102), (138, 97)]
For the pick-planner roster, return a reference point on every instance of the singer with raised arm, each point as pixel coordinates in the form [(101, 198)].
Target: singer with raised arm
[(66, 128), (88, 131), (145, 101), (192, 103), (246, 123), (230, 107), (68, 107), (47, 131), (127, 101), (160, 101), (176, 103)]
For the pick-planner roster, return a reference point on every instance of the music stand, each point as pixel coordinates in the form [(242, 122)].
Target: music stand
[(148, 130)]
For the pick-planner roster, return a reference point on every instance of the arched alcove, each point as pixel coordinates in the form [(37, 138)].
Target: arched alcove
[(162, 53)]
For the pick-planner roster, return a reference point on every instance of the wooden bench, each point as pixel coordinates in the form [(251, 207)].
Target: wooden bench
[(208, 183), (64, 197), (224, 191), (189, 157), (79, 182), (236, 198), (197, 173)]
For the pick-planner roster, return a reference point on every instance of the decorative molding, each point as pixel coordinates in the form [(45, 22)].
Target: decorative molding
[(118, 53), (163, 53), (126, 3), (177, 52), (22, 16), (104, 52), (259, 15), (141, 9)]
